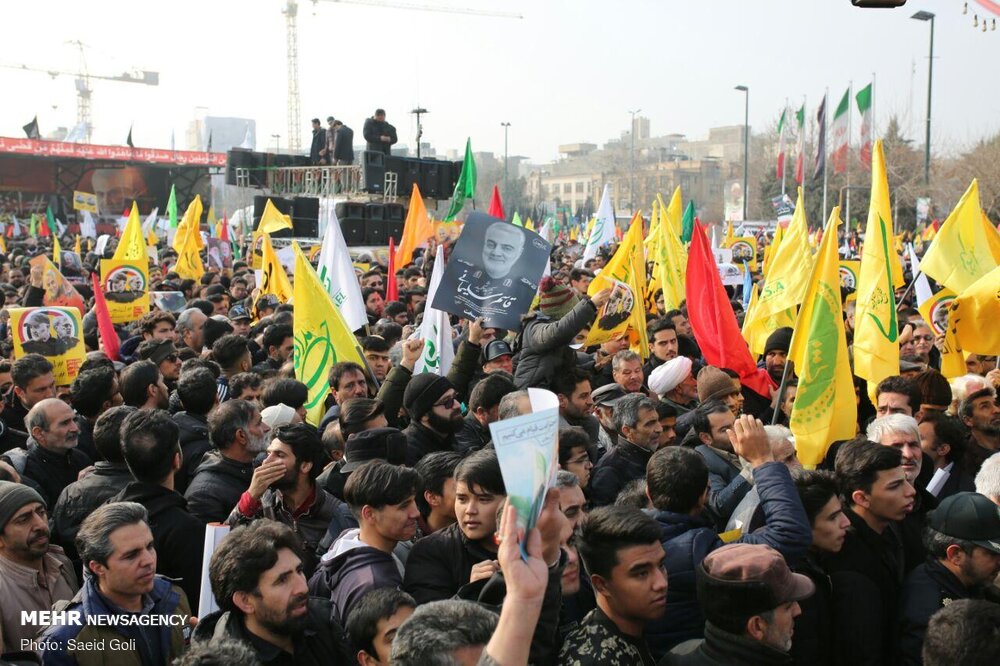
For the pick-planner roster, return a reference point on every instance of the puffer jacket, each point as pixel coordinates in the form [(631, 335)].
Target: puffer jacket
[(216, 487), (80, 498), (543, 345)]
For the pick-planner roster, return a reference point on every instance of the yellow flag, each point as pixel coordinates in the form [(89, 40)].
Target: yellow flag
[(574, 233), (974, 315), (132, 246), (56, 251), (772, 247), (825, 409), (189, 264), (669, 264), (416, 230), (321, 337), (76, 248), (961, 251), (730, 235), (788, 278), (190, 224), (529, 225), (674, 211), (653, 237), (273, 278), (935, 311), (271, 220), (756, 330), (876, 329), (3, 244), (152, 240), (628, 266)]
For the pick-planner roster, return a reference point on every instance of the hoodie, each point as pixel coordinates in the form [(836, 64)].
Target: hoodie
[(350, 569)]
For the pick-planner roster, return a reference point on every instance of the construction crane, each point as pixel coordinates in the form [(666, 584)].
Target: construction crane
[(291, 12), (83, 87)]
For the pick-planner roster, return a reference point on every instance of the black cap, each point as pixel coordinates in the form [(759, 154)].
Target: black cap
[(388, 444), (158, 351), (495, 349), (608, 395), (969, 516)]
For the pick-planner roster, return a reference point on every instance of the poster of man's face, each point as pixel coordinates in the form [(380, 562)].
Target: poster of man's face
[(64, 327), (493, 272), (38, 328)]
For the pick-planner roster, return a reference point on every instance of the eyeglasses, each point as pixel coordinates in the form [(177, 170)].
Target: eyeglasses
[(578, 461), (447, 403)]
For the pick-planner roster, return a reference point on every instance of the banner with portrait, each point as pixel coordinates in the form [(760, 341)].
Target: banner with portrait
[(220, 254), (849, 272), (493, 272), (126, 289), (85, 201), (58, 290), (55, 333), (744, 252)]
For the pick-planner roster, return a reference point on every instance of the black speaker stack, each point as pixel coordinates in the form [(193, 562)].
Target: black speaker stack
[(435, 178), (370, 223)]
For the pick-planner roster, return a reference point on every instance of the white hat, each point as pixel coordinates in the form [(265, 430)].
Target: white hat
[(276, 416), (668, 376)]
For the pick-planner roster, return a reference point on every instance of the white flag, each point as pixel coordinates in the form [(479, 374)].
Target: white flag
[(150, 222), (439, 350), (247, 139), (16, 232), (921, 287), (603, 232), (88, 229), (336, 272)]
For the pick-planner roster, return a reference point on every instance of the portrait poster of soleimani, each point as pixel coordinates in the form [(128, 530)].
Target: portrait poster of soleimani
[(493, 272), (126, 289), (55, 333)]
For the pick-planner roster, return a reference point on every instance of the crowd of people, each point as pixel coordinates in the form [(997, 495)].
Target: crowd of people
[(681, 528)]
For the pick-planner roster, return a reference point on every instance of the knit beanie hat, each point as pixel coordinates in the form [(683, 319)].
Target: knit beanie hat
[(422, 392), (556, 299), (714, 384), (780, 340), (13, 496)]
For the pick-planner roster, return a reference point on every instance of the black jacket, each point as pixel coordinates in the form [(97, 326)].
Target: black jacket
[(421, 440), (13, 434), (814, 642), (318, 144), (80, 498), (721, 648), (323, 642), (473, 435), (50, 472), (343, 150), (727, 486), (623, 463), (216, 487), (178, 536), (195, 443), (349, 570), (543, 345), (867, 576), (373, 130), (440, 564), (928, 588)]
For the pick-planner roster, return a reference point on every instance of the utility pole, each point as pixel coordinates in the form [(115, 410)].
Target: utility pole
[(631, 187), (746, 148), (506, 126), (928, 16), (419, 111)]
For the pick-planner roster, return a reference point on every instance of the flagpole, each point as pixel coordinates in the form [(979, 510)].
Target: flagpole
[(826, 154), (781, 391), (850, 100), (780, 140)]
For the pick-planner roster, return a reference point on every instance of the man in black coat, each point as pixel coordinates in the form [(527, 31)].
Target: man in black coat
[(435, 416), (379, 134), (318, 143), (638, 435), (963, 543), (198, 394), (149, 442), (33, 381), (343, 144)]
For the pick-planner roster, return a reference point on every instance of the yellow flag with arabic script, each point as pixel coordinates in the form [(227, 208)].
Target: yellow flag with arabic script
[(189, 265), (273, 278), (132, 246), (974, 315), (190, 224)]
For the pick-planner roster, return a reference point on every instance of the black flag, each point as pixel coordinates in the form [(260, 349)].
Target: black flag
[(819, 165), (128, 141), (209, 148), (31, 129)]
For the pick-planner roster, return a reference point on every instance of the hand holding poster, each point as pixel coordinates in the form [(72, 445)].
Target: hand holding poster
[(493, 272), (528, 449), (55, 333), (58, 291)]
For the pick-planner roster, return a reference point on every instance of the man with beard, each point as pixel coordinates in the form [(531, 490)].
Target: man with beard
[(50, 461), (142, 386), (283, 488), (33, 573), (776, 352), (435, 416), (256, 575), (383, 497), (238, 433), (576, 403), (981, 414)]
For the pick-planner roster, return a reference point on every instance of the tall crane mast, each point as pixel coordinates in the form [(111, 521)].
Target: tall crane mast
[(291, 34)]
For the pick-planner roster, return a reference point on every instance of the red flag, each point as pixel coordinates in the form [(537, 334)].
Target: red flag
[(712, 318), (109, 338), (496, 206), (391, 288), (43, 228), (224, 234)]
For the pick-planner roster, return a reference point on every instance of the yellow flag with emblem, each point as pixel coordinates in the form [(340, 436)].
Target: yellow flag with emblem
[(321, 337), (974, 315), (876, 329), (56, 251), (674, 211), (825, 409), (935, 311), (669, 264), (189, 265), (273, 278), (132, 245), (961, 251), (624, 312)]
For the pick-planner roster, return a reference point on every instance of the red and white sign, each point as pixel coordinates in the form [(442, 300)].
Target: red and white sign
[(87, 151)]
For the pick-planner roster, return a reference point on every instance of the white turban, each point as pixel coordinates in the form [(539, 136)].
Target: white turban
[(668, 376), (278, 415)]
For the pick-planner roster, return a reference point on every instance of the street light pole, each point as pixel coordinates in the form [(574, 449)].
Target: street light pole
[(928, 16), (631, 187), (506, 126), (746, 147)]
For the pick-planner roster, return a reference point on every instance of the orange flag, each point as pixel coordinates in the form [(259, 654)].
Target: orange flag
[(416, 230)]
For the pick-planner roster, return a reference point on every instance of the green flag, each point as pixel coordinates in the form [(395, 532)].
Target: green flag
[(51, 219), (516, 220), (31, 229), (172, 208), (465, 188), (687, 224)]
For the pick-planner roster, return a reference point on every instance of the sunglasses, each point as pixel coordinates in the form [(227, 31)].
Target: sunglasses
[(447, 403)]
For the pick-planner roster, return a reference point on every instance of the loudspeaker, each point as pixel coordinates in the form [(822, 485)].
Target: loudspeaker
[(373, 171), (375, 211), (430, 179), (305, 217), (376, 232), (448, 178), (237, 159), (409, 177), (346, 209), (353, 229), (300, 161), (396, 165), (395, 231), (284, 207), (394, 212)]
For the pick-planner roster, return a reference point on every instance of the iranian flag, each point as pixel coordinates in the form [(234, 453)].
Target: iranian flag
[(864, 99), (781, 144), (840, 135), (800, 144)]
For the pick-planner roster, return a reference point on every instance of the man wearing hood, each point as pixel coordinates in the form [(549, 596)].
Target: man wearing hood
[(383, 498)]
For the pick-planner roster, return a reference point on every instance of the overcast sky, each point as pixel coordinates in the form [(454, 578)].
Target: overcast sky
[(569, 71)]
